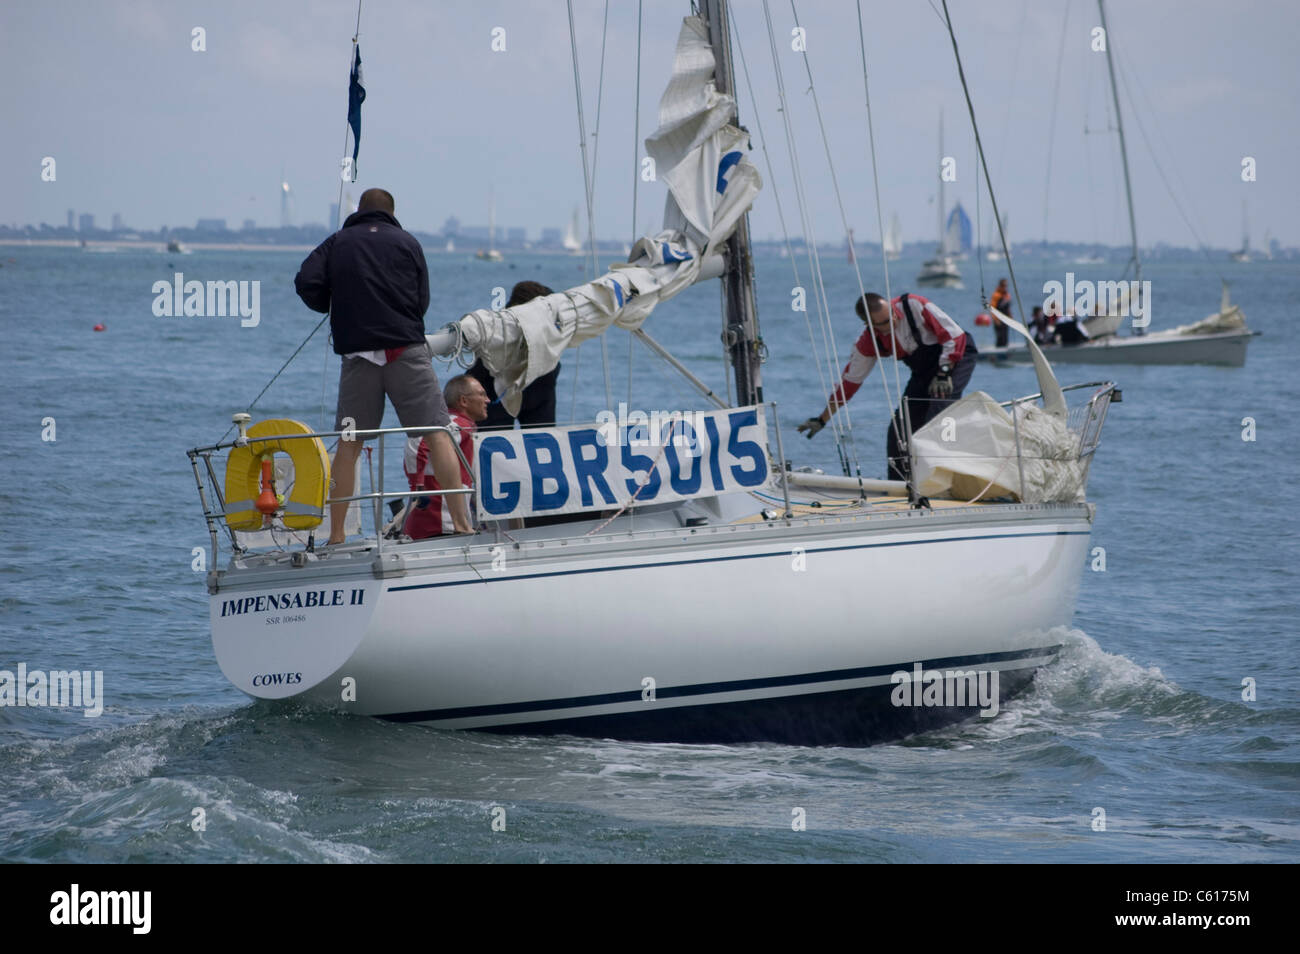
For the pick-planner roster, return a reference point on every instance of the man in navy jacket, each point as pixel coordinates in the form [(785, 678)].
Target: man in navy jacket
[(371, 277)]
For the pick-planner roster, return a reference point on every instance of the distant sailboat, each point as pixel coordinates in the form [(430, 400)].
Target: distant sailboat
[(894, 239), (490, 254), (994, 253), (941, 270), (451, 245), (571, 243), (1243, 254), (957, 239)]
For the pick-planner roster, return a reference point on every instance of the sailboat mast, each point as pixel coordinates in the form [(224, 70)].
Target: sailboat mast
[(739, 314), (1123, 149)]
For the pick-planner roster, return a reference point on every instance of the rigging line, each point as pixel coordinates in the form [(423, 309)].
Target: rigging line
[(880, 225), (839, 200), (1011, 89), (253, 403), (776, 195), (587, 184), (636, 172), (838, 428), (356, 34), (595, 151), (1205, 250), (1051, 134), (979, 255), (993, 199), (324, 371)]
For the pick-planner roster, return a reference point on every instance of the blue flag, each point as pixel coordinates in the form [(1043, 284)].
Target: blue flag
[(356, 96)]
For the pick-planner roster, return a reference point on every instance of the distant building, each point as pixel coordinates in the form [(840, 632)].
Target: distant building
[(72, 219), (517, 236), (249, 225), (86, 222), (552, 236), (117, 222), (210, 225), (451, 226), (474, 232)]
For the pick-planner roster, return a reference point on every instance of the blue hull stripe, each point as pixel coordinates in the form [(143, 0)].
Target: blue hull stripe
[(708, 688), (745, 556)]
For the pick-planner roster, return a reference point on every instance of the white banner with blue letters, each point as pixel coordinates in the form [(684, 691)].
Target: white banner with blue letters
[(597, 467)]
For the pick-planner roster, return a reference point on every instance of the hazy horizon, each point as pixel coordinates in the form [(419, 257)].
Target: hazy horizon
[(140, 124)]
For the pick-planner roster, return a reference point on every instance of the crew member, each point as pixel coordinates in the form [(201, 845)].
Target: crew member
[(538, 401), (1001, 300), (939, 354), (372, 278), (468, 403)]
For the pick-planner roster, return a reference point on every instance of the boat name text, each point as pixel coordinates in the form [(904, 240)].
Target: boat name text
[(288, 600)]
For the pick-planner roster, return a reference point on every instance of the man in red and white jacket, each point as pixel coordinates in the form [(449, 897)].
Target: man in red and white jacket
[(468, 403), (939, 354)]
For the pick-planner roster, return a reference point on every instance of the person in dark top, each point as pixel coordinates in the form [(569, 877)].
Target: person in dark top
[(1001, 300), (372, 279), (1039, 326), (1070, 331), (538, 407)]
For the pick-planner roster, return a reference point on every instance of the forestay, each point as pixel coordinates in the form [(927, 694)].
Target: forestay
[(701, 156)]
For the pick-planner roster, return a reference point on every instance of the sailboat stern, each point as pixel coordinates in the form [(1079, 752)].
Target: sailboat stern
[(278, 641)]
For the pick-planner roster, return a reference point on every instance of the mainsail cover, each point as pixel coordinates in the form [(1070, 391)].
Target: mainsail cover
[(702, 157)]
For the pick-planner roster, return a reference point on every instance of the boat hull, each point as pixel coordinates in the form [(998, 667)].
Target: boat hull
[(784, 632), (1227, 349)]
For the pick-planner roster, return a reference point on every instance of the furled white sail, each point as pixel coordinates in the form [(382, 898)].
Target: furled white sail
[(978, 460), (701, 156)]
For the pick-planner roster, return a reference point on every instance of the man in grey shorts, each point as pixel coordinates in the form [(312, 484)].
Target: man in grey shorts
[(371, 277)]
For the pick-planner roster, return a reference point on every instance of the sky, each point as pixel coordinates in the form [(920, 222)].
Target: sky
[(138, 122)]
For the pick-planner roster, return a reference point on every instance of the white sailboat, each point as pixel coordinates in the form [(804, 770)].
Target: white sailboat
[(940, 271), (1220, 338), (894, 239), (709, 595), (994, 253), (1243, 254), (491, 253), (571, 243)]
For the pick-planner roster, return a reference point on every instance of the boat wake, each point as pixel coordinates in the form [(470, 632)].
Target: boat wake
[(1088, 692)]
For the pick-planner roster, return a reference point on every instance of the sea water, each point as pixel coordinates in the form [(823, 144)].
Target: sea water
[(1166, 731)]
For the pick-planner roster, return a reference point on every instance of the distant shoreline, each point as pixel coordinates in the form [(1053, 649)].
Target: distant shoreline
[(161, 247)]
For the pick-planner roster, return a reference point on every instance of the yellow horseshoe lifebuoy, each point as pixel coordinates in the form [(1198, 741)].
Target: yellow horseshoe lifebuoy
[(305, 507)]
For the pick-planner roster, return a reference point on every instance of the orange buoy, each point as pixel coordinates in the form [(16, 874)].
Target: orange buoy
[(99, 327), (267, 503), (983, 318)]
